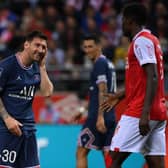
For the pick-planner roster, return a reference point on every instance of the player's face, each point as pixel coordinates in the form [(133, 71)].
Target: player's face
[(126, 26), (37, 49), (90, 48)]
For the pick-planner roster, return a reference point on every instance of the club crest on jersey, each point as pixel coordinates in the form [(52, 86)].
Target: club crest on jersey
[(19, 78), (36, 77)]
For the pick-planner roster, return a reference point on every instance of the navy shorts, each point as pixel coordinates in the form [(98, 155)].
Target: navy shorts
[(18, 152), (91, 138)]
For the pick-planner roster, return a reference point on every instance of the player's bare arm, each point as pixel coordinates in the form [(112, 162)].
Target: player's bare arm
[(100, 125), (111, 100), (46, 86), (12, 124), (151, 86)]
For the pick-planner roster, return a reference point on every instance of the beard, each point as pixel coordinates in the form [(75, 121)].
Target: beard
[(127, 33)]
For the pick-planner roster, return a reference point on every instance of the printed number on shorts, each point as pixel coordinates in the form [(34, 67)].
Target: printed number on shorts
[(8, 156)]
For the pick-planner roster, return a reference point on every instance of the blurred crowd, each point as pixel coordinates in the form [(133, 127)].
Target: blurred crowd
[(65, 21)]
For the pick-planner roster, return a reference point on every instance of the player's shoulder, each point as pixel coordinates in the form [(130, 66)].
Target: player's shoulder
[(145, 37), (8, 62), (143, 40), (104, 61), (101, 60)]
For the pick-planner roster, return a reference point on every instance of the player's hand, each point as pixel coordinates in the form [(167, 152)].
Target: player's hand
[(13, 125), (100, 124), (144, 127), (110, 102), (42, 60)]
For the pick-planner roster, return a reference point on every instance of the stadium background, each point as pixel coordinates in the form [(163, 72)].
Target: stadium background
[(64, 22)]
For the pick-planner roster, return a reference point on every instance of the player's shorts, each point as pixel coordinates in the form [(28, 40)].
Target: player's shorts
[(18, 152), (127, 137), (91, 138)]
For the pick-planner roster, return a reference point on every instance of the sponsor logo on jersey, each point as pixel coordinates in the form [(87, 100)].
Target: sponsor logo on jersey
[(37, 77), (27, 93), (18, 78)]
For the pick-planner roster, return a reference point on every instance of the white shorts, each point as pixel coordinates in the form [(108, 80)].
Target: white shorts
[(127, 137)]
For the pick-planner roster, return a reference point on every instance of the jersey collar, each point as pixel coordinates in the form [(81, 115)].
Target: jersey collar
[(143, 30)]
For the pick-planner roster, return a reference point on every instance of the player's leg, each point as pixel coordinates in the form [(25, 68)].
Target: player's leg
[(126, 140), (107, 159), (155, 161), (157, 145), (10, 146), (118, 158), (107, 142), (88, 139), (81, 157), (29, 153)]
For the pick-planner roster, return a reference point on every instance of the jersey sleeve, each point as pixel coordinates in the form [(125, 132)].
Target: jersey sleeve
[(100, 71), (144, 51), (3, 76)]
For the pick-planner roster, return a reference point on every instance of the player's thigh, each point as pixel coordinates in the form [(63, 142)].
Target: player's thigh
[(29, 154), (127, 137), (10, 146), (155, 161), (108, 137), (118, 157), (157, 136), (90, 137)]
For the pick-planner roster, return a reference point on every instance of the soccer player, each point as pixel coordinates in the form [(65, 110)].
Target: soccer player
[(20, 75), (99, 127), (142, 125)]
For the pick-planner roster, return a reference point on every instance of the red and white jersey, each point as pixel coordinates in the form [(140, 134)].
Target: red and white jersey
[(144, 48)]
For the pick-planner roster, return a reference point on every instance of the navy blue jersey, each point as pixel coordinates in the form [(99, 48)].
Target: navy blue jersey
[(17, 89), (103, 71)]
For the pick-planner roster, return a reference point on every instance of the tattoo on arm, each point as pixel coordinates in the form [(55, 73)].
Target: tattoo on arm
[(102, 98), (3, 113)]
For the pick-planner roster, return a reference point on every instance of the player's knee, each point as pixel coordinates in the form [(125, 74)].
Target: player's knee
[(81, 152)]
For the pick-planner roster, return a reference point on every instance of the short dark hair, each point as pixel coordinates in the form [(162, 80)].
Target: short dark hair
[(137, 12), (93, 37), (30, 36)]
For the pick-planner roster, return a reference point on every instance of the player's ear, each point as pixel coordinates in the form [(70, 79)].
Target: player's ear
[(26, 44)]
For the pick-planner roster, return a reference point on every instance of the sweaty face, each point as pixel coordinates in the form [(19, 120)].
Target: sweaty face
[(90, 48), (37, 49)]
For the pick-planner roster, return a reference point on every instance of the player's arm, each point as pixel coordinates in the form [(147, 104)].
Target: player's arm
[(100, 125), (112, 99), (12, 124), (151, 87), (144, 50), (46, 86)]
